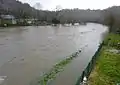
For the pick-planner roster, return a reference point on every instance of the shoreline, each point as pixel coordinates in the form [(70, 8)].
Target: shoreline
[(107, 68)]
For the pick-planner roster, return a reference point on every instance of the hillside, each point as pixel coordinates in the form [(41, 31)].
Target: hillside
[(17, 9), (24, 10)]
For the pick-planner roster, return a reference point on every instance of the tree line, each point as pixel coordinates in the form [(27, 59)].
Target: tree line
[(109, 16)]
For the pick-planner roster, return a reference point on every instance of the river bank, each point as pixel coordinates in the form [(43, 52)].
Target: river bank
[(107, 69)]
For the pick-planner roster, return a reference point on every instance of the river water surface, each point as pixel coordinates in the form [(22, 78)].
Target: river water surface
[(28, 52)]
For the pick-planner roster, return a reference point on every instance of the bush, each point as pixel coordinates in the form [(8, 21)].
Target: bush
[(112, 40)]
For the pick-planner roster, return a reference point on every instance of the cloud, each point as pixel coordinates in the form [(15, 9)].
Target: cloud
[(82, 4)]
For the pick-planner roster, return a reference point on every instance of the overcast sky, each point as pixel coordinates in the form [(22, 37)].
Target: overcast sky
[(82, 4)]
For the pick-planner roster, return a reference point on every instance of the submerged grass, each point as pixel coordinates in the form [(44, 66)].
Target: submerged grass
[(51, 75)]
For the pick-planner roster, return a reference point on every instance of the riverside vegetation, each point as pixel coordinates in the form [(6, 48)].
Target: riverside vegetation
[(107, 69)]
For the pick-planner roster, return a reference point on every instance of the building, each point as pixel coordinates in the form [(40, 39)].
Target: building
[(25, 22), (7, 20)]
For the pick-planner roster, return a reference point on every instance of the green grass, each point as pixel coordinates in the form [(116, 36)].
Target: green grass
[(112, 40), (107, 69)]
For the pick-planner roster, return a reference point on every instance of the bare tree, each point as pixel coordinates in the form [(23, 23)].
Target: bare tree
[(110, 20), (38, 6), (56, 19)]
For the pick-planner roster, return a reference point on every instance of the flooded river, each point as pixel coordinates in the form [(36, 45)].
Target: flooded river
[(28, 52)]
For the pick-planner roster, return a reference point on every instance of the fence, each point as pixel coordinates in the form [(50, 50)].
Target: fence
[(88, 69)]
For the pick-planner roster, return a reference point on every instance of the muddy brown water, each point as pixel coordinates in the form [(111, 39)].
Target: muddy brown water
[(28, 52)]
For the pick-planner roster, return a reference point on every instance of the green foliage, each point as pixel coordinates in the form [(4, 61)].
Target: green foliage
[(55, 21), (107, 69), (109, 66), (110, 20), (112, 40)]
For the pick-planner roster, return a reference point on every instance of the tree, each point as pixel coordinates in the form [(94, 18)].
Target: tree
[(55, 21), (56, 18), (110, 21), (38, 6)]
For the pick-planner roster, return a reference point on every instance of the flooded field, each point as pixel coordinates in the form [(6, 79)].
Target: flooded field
[(28, 52)]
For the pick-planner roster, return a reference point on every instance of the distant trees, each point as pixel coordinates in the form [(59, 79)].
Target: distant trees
[(59, 15), (55, 21), (110, 21), (112, 16)]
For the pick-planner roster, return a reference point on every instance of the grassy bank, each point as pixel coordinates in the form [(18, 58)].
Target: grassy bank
[(107, 69)]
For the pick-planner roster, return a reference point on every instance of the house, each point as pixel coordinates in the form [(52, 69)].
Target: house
[(8, 20), (26, 22)]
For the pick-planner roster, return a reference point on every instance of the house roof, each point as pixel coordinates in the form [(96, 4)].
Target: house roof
[(7, 17)]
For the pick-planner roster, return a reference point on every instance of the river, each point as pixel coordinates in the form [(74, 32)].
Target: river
[(28, 52)]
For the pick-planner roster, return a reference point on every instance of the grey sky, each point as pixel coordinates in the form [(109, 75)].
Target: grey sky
[(82, 4)]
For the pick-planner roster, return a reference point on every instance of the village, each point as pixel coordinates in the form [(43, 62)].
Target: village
[(10, 20)]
